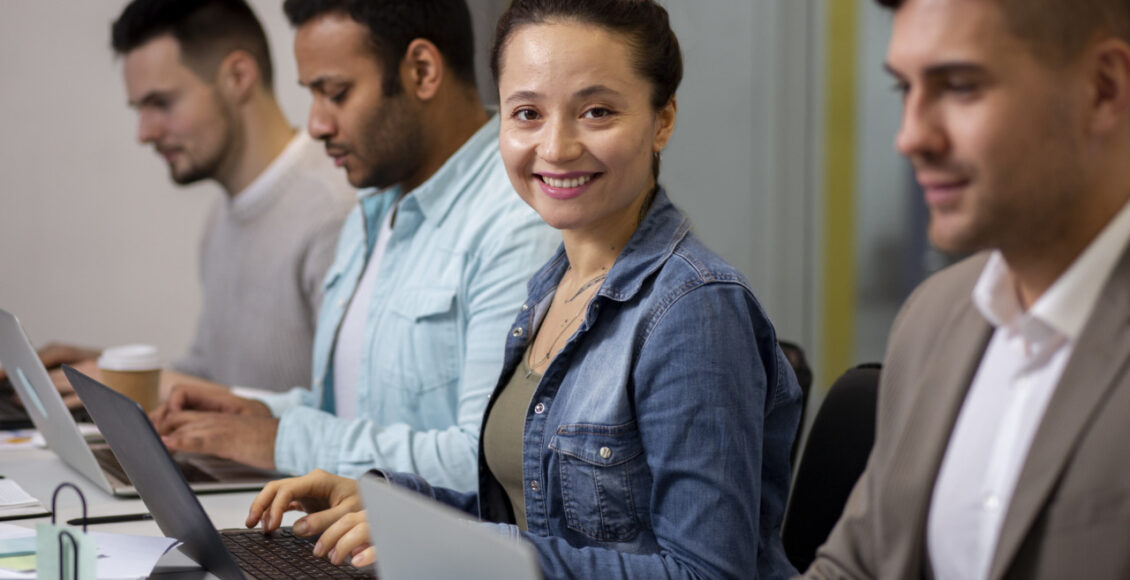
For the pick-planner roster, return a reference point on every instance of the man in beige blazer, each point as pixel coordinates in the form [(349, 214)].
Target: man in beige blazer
[(1003, 436)]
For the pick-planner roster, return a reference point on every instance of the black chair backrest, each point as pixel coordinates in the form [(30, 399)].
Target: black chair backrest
[(834, 457), (795, 355)]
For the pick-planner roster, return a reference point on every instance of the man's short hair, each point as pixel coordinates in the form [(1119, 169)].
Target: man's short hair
[(206, 30), (1059, 29), (394, 24)]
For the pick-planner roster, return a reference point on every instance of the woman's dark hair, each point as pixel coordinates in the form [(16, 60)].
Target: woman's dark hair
[(643, 23)]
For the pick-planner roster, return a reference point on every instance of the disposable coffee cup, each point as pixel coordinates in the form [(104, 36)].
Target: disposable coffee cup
[(133, 370)]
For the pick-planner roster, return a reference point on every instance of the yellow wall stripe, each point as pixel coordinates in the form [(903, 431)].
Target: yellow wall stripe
[(841, 49)]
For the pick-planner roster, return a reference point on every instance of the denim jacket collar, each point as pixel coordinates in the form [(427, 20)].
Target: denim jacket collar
[(649, 247)]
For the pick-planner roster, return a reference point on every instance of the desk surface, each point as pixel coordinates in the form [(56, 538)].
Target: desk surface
[(39, 471)]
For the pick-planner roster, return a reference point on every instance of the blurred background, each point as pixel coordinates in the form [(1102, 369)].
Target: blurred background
[(782, 156)]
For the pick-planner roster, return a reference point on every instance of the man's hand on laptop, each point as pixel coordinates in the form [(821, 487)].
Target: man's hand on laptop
[(202, 395), (334, 507), (87, 367), (247, 439), (53, 355)]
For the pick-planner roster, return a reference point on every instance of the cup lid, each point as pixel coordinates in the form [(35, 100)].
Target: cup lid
[(130, 357)]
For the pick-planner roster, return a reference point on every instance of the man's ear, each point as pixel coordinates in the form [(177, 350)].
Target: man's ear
[(1109, 83), (237, 77), (665, 124), (422, 70)]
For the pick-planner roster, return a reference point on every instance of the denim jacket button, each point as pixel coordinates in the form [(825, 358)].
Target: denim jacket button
[(516, 332), (605, 453), (534, 485), (525, 307), (539, 408)]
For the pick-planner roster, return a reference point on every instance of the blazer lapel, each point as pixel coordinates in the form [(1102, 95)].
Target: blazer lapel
[(940, 391), (1096, 363)]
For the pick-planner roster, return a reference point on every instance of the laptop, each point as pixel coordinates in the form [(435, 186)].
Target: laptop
[(14, 416), (419, 539), (234, 553), (96, 461)]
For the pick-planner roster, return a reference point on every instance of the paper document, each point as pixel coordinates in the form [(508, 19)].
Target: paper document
[(119, 555), (15, 502), (18, 439)]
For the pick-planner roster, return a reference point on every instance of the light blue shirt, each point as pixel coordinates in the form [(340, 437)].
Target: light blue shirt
[(452, 279)]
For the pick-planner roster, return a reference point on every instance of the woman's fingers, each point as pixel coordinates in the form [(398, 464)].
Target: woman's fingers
[(288, 494), (365, 555), (337, 538), (357, 538)]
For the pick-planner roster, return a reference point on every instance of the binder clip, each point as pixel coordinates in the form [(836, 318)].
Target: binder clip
[(62, 551)]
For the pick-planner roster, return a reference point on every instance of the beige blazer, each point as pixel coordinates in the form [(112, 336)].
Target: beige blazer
[(1070, 512)]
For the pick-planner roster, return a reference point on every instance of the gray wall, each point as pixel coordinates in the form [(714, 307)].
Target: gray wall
[(97, 246)]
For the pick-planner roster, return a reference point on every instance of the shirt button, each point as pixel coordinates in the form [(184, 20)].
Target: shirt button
[(516, 332), (605, 452), (991, 503), (341, 303), (534, 485), (539, 408)]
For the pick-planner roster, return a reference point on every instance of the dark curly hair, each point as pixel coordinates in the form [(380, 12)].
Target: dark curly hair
[(394, 24)]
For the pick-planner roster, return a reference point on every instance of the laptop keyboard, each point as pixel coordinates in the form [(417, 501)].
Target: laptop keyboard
[(110, 463), (283, 555)]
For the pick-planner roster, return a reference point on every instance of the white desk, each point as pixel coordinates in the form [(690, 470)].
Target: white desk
[(39, 471)]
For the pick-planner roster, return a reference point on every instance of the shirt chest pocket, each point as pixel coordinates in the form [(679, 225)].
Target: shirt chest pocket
[(605, 481), (422, 349)]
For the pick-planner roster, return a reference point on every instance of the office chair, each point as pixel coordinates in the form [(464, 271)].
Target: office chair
[(834, 457), (795, 355)]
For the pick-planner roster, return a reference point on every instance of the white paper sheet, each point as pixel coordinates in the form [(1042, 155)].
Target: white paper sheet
[(119, 555)]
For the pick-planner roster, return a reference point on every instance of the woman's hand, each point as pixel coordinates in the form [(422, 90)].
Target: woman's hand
[(347, 540), (326, 497)]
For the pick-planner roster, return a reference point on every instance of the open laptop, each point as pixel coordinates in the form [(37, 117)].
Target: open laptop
[(419, 539), (96, 461), (13, 415), (235, 553)]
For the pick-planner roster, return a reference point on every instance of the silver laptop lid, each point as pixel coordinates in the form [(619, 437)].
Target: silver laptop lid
[(43, 403), (419, 539)]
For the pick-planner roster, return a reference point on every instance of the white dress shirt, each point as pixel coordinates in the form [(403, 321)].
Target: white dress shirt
[(1007, 399)]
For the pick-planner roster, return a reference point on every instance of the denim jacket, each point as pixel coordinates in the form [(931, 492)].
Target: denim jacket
[(657, 442), (451, 280)]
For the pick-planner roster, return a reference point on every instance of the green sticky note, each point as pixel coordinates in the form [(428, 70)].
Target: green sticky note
[(17, 546), (19, 563), (51, 564)]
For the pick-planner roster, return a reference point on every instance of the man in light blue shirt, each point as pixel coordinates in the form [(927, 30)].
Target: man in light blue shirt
[(430, 267)]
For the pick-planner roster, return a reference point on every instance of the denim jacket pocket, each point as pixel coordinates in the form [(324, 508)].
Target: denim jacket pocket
[(603, 474), (430, 356)]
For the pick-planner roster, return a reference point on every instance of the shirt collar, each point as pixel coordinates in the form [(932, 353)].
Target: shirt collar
[(436, 196), (1068, 303)]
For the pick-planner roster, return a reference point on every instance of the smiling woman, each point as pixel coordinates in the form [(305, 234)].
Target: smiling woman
[(643, 419)]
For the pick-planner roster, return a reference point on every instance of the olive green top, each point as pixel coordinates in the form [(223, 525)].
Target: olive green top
[(502, 436)]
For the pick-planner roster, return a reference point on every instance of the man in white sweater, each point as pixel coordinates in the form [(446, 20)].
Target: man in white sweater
[(198, 72)]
